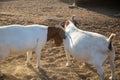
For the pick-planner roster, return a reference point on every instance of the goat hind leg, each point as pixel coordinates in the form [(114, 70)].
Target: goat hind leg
[(3, 53), (1, 75), (100, 71), (112, 65)]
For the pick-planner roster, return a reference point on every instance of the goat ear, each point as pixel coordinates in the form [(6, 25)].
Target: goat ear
[(75, 21), (62, 34), (67, 23), (62, 24), (74, 17)]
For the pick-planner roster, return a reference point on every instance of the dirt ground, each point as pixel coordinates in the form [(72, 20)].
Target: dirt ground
[(93, 17)]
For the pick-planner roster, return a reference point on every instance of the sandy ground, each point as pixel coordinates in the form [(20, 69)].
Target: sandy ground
[(50, 12)]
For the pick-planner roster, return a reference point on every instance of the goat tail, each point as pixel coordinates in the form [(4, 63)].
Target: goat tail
[(111, 37), (111, 55)]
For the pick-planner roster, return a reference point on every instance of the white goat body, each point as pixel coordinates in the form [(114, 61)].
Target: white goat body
[(22, 39), (89, 47)]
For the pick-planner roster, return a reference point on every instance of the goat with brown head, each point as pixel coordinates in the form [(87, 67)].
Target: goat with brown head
[(66, 22), (57, 34)]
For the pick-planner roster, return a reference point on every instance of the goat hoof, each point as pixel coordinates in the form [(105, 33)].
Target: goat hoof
[(27, 64), (39, 67), (111, 78), (1, 75), (68, 65)]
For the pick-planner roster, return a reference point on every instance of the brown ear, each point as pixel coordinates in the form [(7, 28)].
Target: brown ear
[(62, 24), (62, 34), (67, 23), (75, 21), (74, 17)]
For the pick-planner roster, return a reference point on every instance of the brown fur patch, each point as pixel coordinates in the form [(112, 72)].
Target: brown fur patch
[(66, 23), (54, 33)]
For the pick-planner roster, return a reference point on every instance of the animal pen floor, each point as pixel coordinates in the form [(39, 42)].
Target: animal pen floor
[(94, 18)]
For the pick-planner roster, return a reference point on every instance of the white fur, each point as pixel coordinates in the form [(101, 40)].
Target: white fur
[(22, 39), (89, 47)]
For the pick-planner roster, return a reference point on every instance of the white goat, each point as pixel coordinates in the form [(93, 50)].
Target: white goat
[(21, 39), (90, 47)]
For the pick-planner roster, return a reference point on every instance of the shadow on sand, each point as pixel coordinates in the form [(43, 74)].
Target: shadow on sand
[(42, 74), (107, 7)]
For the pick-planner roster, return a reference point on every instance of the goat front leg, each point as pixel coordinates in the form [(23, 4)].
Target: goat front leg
[(29, 55), (38, 53), (68, 58)]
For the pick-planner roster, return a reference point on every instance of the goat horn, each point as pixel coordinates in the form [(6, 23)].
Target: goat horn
[(73, 17)]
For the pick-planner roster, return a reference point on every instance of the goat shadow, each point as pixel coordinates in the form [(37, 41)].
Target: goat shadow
[(110, 8), (41, 73), (8, 77)]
